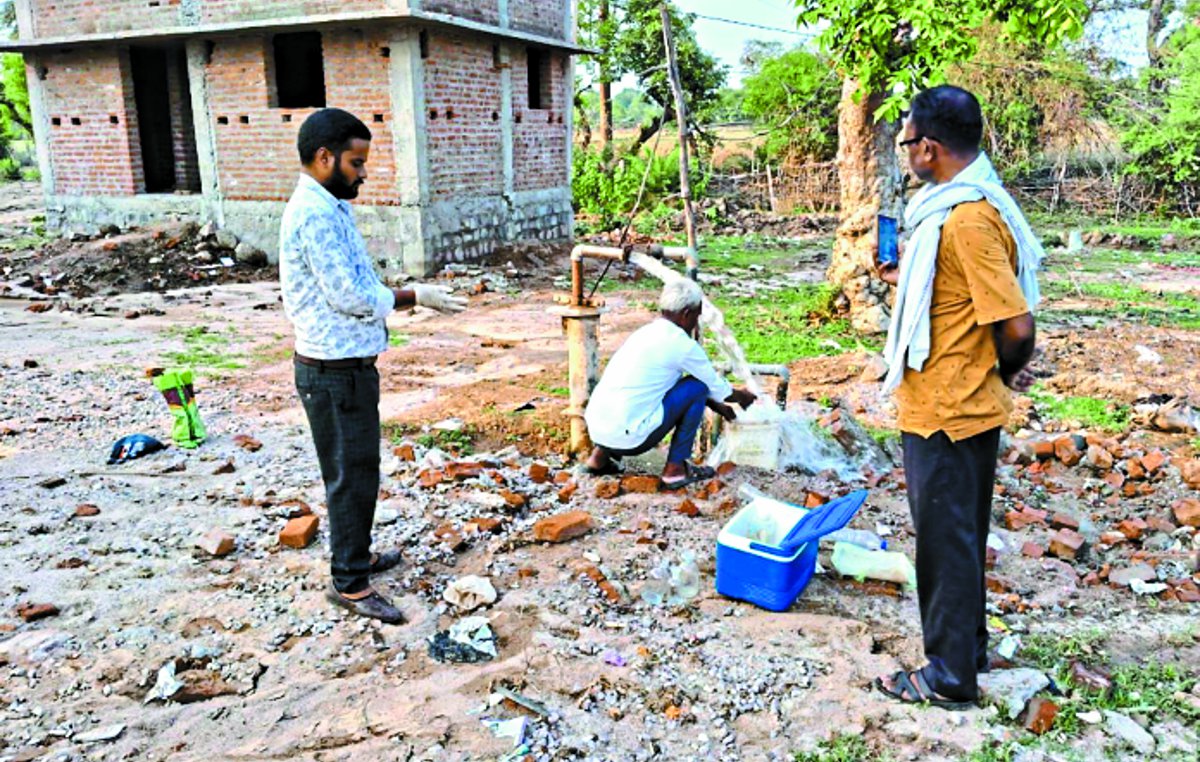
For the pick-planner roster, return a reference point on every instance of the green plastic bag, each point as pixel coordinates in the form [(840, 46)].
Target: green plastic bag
[(187, 430)]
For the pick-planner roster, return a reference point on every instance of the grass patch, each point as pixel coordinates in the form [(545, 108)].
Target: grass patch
[(554, 391), (1051, 651), (790, 325), (843, 748), (460, 442), (1132, 302), (397, 339), (885, 438), (1088, 412), (203, 348), (742, 252)]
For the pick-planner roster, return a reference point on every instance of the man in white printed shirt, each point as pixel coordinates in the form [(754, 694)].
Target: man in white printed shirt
[(659, 383), (338, 307)]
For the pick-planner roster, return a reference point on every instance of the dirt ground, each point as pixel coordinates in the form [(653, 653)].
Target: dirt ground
[(158, 650)]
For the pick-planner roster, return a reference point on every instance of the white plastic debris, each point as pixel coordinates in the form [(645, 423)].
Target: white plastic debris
[(470, 592)]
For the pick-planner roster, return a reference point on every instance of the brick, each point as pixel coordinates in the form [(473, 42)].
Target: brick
[(539, 473), (1112, 538), (1153, 461), (1134, 469), (247, 443), (85, 510), (640, 483), (1033, 550), (216, 543), (1064, 521), (1114, 479), (563, 527), (462, 471), (688, 508), (225, 468), (712, 489), (726, 468), (607, 589), (295, 508), (562, 477), (1159, 524), (405, 452), (299, 532), (567, 492), (448, 535), (1133, 528), (1039, 715), (484, 525), (430, 478), (1099, 458), (1065, 544), (1190, 472), (32, 612), (996, 584), (1187, 512), (1043, 449), (1067, 451), (607, 489), (526, 572), (1016, 520), (515, 500), (815, 500)]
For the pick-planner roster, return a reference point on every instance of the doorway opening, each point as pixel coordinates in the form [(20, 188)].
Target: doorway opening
[(162, 97)]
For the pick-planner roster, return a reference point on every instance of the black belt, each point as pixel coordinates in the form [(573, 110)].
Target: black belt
[(353, 362)]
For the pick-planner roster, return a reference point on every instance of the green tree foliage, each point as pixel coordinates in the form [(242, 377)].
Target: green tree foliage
[(608, 193), (794, 95), (1035, 100), (631, 43), (1165, 144), (899, 47), (15, 123)]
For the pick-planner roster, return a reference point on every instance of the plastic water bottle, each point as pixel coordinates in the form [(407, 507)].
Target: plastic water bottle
[(685, 579), (860, 537), (887, 566)]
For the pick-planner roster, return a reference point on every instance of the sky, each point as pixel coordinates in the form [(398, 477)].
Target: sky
[(1121, 33)]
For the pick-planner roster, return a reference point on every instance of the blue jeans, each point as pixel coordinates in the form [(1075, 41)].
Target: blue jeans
[(683, 411)]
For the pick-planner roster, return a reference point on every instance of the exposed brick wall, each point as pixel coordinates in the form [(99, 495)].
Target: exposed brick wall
[(485, 11), (85, 92), (53, 18), (540, 137), (183, 134), (256, 144), (462, 100), (218, 11), (545, 17)]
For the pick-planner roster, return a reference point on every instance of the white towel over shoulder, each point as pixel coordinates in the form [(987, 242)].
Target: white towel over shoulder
[(908, 336)]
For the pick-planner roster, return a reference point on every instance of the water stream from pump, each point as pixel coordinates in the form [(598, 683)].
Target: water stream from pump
[(803, 444)]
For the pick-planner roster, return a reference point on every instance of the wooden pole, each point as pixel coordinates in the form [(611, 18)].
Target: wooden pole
[(681, 116), (606, 115)]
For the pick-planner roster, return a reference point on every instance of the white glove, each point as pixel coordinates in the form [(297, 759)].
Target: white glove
[(440, 298)]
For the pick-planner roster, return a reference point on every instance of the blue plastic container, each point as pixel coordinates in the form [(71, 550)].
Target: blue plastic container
[(765, 558)]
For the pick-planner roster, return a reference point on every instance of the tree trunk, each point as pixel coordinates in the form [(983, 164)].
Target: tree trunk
[(583, 126), (1154, 27), (647, 131), (606, 115), (869, 175)]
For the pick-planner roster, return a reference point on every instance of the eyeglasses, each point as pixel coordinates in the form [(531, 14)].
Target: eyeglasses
[(917, 139)]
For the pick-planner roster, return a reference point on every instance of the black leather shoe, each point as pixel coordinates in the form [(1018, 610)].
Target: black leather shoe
[(373, 606), (388, 559)]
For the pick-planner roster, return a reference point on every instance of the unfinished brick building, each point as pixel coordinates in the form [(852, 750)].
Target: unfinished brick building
[(188, 109)]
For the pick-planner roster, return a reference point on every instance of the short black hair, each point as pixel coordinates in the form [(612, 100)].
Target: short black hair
[(950, 115), (329, 128)]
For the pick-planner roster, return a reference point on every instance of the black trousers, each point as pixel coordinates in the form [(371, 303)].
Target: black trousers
[(950, 488), (342, 406)]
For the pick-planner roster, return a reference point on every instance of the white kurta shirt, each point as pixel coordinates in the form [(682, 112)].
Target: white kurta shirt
[(627, 403)]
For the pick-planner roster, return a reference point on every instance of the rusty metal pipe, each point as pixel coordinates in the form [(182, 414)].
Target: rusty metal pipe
[(593, 252)]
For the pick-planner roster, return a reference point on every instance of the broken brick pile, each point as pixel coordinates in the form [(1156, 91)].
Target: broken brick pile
[(1136, 532)]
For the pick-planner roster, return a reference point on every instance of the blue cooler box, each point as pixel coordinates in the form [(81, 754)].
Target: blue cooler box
[(767, 552)]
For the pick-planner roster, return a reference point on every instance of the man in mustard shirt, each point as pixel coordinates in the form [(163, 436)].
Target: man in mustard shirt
[(961, 338)]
